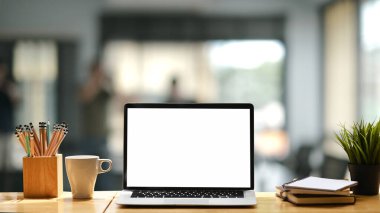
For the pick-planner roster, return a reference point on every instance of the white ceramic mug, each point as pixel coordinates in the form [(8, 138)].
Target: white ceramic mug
[(82, 171)]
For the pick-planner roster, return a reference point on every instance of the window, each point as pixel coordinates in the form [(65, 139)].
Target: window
[(35, 69), (210, 71), (370, 61)]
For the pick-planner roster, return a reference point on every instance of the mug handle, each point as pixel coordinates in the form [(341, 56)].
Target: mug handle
[(101, 170)]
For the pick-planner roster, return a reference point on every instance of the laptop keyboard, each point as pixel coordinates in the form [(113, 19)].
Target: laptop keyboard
[(187, 194)]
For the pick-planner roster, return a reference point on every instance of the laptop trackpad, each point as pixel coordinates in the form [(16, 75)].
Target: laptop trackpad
[(186, 201)]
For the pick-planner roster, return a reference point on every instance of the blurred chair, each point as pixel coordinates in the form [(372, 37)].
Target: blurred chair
[(302, 161), (333, 167)]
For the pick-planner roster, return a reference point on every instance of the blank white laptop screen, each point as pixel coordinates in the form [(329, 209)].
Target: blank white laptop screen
[(178, 147)]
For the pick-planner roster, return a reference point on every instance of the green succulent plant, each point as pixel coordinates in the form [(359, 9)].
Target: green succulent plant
[(362, 143)]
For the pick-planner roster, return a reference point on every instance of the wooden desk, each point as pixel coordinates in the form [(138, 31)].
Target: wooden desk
[(105, 202), (15, 202)]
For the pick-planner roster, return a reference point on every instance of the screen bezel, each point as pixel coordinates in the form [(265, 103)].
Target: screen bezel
[(189, 106)]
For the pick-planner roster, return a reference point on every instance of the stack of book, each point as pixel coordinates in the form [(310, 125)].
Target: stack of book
[(315, 190)]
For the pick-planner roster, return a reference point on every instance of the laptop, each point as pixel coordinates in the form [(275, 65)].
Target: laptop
[(188, 154)]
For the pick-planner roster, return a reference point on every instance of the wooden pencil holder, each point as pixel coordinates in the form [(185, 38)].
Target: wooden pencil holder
[(42, 176)]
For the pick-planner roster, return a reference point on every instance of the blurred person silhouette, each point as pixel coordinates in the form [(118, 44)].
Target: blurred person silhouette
[(174, 93), (95, 96), (9, 97)]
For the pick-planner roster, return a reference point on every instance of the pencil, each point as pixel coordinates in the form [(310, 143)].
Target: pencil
[(46, 144), (36, 146), (27, 145), (42, 126), (22, 136), (31, 145), (60, 142), (48, 133), (36, 137), (36, 152), (22, 144), (59, 138), (62, 133), (52, 140)]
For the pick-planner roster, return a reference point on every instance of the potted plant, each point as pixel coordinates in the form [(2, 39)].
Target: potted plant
[(362, 145)]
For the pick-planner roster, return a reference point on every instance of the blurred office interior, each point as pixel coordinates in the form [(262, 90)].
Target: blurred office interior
[(306, 65)]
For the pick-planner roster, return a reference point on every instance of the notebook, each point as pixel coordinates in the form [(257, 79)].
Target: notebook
[(305, 199), (345, 192), (317, 183), (310, 196), (188, 154)]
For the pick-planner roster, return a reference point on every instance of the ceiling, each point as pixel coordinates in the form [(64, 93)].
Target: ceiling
[(211, 7)]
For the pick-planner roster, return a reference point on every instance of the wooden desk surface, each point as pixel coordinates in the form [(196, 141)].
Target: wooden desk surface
[(105, 202), (15, 202)]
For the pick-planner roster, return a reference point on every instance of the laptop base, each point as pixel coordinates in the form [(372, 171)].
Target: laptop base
[(248, 200)]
